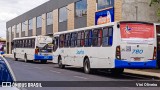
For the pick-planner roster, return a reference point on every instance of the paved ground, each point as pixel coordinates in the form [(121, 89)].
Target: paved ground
[(50, 72)]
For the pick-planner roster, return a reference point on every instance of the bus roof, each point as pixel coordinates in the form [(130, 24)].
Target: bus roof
[(98, 26), (29, 37), (85, 28), (142, 22)]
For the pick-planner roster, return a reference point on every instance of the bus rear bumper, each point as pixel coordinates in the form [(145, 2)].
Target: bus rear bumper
[(41, 57), (135, 65)]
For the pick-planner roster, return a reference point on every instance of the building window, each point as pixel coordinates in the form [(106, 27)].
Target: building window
[(24, 26), (30, 24), (50, 18), (63, 14), (102, 4), (81, 8), (13, 29), (39, 21), (18, 28), (9, 30)]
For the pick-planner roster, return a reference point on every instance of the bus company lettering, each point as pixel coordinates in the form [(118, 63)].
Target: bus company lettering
[(80, 52)]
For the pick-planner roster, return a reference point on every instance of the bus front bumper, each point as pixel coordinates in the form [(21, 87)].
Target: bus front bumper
[(135, 65), (42, 57)]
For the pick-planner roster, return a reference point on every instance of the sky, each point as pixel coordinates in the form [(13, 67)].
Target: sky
[(10, 9)]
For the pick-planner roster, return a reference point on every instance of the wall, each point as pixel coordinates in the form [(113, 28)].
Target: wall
[(143, 12)]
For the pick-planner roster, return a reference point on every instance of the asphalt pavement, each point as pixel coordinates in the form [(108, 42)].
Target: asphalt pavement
[(35, 71)]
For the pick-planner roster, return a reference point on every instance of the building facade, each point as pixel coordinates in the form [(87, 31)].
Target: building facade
[(61, 15)]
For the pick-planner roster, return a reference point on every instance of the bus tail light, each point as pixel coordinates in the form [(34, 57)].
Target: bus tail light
[(118, 52), (154, 54)]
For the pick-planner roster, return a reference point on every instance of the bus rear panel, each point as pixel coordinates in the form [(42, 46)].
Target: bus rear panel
[(138, 46)]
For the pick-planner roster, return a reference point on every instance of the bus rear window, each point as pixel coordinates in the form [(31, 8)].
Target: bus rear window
[(136, 31)]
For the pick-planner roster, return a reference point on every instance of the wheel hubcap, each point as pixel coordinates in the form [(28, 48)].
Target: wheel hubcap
[(86, 67), (60, 62)]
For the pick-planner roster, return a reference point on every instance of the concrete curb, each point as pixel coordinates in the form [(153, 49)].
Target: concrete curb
[(8, 55), (152, 74)]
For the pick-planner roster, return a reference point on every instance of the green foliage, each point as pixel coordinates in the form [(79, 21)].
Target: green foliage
[(154, 2)]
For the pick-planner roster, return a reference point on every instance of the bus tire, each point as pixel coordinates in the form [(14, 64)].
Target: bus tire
[(43, 61), (16, 59), (25, 58), (117, 71), (86, 66), (60, 64)]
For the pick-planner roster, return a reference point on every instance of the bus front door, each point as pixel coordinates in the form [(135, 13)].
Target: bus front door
[(158, 45)]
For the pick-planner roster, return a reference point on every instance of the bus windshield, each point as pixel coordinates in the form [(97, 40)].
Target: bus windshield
[(46, 48), (137, 32)]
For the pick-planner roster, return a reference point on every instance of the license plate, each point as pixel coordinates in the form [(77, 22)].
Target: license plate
[(137, 59), (45, 54)]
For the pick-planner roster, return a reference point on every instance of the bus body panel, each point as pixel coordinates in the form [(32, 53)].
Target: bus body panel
[(132, 55), (40, 41)]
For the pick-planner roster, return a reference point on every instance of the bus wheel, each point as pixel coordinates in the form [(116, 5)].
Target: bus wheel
[(16, 59), (43, 61), (117, 71), (60, 63), (25, 58), (86, 66)]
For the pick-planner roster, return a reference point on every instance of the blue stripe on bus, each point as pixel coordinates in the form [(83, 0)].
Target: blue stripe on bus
[(42, 57), (136, 65)]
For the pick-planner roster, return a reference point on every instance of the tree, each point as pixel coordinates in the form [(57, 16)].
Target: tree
[(155, 2)]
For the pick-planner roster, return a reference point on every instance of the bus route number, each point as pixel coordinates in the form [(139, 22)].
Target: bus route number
[(137, 51)]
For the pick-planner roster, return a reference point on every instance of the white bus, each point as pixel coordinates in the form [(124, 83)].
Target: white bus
[(113, 46), (37, 48)]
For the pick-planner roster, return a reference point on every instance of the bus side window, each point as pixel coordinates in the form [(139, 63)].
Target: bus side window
[(14, 43), (88, 38), (33, 43), (29, 43), (108, 36), (95, 38), (80, 39), (25, 43), (73, 39), (105, 37), (67, 40), (56, 43), (21, 44), (17, 43), (100, 38), (61, 41)]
